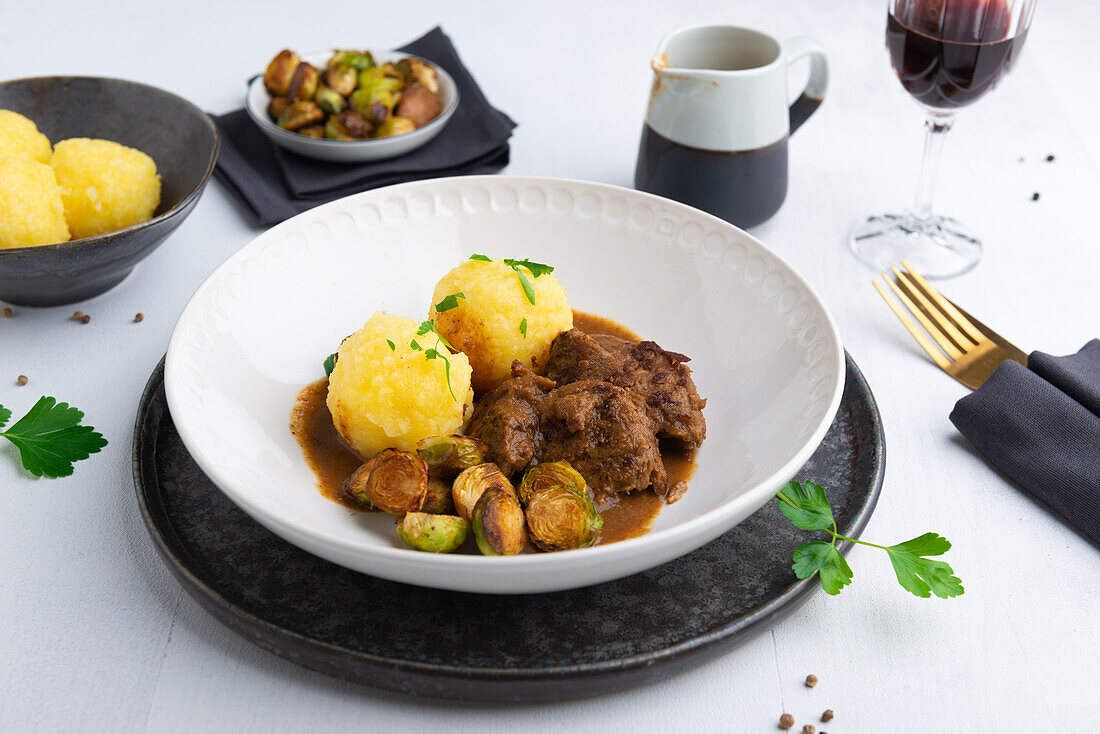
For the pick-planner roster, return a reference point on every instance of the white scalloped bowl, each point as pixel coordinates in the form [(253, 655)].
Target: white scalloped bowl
[(765, 352)]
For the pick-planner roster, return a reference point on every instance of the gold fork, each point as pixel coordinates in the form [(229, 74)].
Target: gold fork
[(970, 349)]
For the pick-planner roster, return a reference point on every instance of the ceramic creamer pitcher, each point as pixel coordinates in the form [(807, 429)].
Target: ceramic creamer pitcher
[(716, 131)]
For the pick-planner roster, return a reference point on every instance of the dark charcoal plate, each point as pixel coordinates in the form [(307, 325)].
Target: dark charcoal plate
[(444, 644), (177, 135)]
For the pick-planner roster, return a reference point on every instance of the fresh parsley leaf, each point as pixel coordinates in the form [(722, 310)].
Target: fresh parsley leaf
[(826, 561), (482, 258), (806, 507), (536, 269), (50, 438), (528, 289), (523, 327), (416, 346), (449, 302), (923, 576), (393, 347), (424, 328), (430, 354), (330, 364)]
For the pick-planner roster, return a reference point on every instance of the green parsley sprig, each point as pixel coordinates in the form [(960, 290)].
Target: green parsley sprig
[(807, 507), (428, 327), (536, 270), (449, 302), (50, 438)]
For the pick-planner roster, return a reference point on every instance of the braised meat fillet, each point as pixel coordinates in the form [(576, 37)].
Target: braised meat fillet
[(660, 378), (508, 420)]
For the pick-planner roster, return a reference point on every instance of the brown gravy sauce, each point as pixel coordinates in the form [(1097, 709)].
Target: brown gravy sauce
[(624, 516)]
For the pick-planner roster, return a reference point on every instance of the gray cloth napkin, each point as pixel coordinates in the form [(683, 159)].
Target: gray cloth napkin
[(1040, 426), (272, 184)]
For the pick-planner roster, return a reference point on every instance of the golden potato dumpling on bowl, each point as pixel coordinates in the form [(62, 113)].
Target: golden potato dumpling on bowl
[(105, 186), (506, 311), (388, 391), (19, 136), (30, 204)]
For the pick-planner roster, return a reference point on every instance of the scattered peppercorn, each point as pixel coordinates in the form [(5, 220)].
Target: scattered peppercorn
[(1020, 159), (1035, 196), (78, 315), (139, 317), (6, 313), (827, 715), (85, 319), (811, 680), (786, 721), (808, 729), (21, 380), (1050, 158)]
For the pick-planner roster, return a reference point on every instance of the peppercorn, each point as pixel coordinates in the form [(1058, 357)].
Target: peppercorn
[(85, 319), (808, 729), (1050, 158), (1035, 196), (21, 380), (139, 317), (78, 315), (811, 680), (827, 715), (786, 721), (6, 313)]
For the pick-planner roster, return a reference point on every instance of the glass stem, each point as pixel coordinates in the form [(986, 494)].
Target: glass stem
[(936, 126)]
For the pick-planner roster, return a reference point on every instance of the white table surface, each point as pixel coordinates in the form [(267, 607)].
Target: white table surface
[(96, 636)]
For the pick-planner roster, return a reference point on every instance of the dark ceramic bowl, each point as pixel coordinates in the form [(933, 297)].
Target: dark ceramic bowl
[(175, 133)]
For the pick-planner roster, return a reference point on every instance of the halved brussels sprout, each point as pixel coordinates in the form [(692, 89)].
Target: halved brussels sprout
[(313, 131), (418, 105), (393, 481), (328, 100), (280, 71), (550, 474), (416, 71), (348, 125), (438, 499), (474, 482), (341, 78), (357, 60), (562, 518), (394, 126), (299, 114), (498, 523), (433, 533), (276, 107), (303, 85), (449, 455)]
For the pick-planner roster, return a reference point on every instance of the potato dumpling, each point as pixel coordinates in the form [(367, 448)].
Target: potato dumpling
[(105, 186), (30, 204), (496, 323), (386, 394), (19, 136)]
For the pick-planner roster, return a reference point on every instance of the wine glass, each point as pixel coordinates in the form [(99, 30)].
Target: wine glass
[(947, 54)]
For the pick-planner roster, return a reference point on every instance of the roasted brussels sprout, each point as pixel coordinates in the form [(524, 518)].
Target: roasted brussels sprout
[(303, 85), (393, 481), (418, 105), (415, 71), (341, 78), (474, 482), (449, 455), (313, 131), (280, 71), (299, 114), (550, 474), (348, 125), (438, 499), (357, 60), (276, 107), (562, 518), (394, 126), (498, 523), (328, 100), (433, 533)]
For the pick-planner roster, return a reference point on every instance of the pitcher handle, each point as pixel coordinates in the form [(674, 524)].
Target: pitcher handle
[(807, 103)]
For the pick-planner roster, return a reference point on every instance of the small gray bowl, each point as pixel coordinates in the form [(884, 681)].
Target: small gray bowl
[(178, 135)]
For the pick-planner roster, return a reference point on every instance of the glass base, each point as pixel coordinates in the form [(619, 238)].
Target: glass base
[(937, 247)]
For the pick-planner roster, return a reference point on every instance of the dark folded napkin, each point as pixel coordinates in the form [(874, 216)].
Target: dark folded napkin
[(1040, 425), (273, 184)]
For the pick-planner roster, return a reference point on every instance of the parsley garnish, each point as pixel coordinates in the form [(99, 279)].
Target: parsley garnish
[(330, 364), (536, 270), (428, 327), (523, 327), (50, 438), (449, 302), (393, 347), (482, 258), (808, 508)]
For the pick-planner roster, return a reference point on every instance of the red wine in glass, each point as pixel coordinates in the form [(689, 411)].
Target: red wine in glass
[(948, 54)]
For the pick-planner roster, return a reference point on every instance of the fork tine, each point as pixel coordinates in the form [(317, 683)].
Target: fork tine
[(946, 306), (941, 320), (937, 335), (907, 322)]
